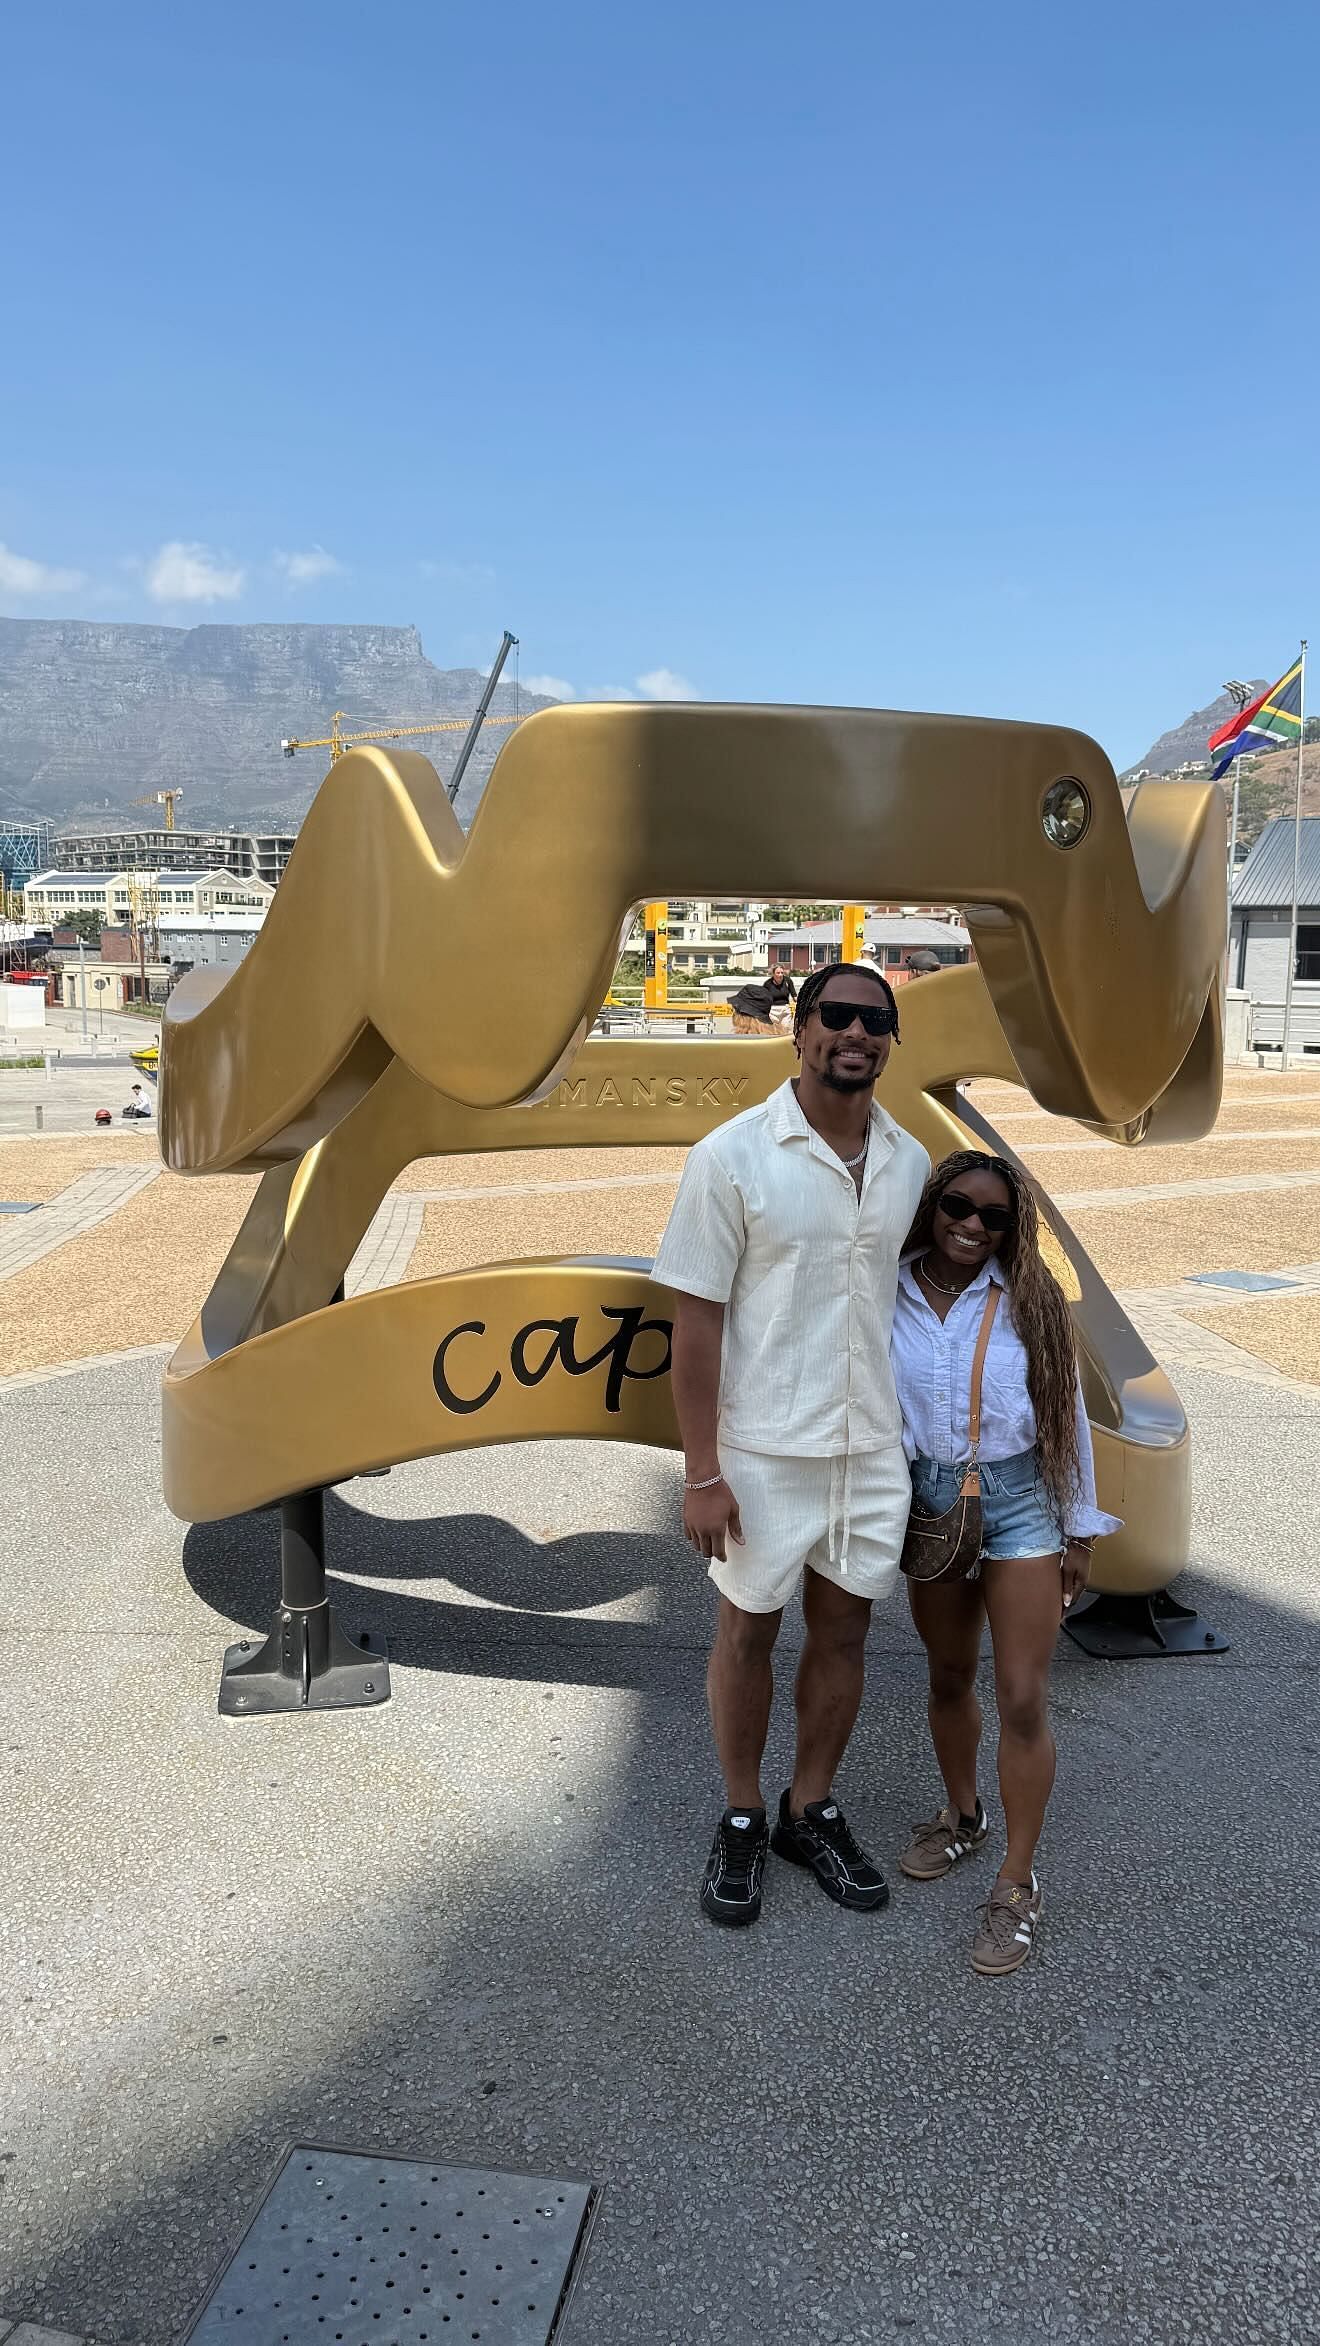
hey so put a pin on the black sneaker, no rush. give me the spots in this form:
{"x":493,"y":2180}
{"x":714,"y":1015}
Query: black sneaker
{"x":821,"y":1838}
{"x":731,"y":1885}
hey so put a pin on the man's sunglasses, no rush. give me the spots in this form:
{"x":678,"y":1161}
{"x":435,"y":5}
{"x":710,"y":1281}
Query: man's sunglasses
{"x":878,"y":1018}
{"x":960,"y":1208}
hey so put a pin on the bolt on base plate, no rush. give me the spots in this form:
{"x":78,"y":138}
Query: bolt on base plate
{"x":1141,"y":1629}
{"x":308,"y":1663}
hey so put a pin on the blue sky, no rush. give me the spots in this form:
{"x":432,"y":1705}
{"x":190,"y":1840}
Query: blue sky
{"x":874,"y":355}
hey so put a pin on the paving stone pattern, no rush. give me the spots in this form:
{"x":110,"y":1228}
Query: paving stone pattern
{"x":383,"y":1257}
{"x":93,"y":1198}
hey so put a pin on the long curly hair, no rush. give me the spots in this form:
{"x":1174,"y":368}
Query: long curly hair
{"x":1040,"y":1315}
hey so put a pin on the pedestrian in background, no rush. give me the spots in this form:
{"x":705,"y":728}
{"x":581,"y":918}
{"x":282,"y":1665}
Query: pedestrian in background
{"x":765,"y":1008}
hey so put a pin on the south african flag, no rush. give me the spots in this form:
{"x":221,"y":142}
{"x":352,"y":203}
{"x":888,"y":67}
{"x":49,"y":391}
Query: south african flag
{"x":1268,"y":723}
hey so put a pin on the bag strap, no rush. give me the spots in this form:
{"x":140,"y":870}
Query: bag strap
{"x":978,"y":1365}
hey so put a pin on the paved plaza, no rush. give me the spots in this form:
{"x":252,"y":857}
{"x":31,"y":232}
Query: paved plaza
{"x":465,"y":1925}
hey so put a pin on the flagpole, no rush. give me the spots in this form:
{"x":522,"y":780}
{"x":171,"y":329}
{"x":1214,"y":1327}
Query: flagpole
{"x":1297,"y":869}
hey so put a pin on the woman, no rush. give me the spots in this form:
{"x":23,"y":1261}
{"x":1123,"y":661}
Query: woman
{"x":976,"y":1224}
{"x":765,"y":1008}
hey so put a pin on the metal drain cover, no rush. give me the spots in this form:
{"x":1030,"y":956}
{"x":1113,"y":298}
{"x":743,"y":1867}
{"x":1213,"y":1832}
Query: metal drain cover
{"x":346,"y":2250}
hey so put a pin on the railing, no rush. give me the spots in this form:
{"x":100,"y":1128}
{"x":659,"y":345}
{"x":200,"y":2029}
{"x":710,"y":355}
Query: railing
{"x":1265,"y":1022}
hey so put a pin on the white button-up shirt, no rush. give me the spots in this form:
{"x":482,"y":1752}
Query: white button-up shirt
{"x":768,"y":1221}
{"x":933,"y":1372}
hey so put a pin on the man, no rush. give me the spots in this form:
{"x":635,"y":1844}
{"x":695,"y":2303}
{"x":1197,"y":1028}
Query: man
{"x":138,"y":1103}
{"x":764,"y":1008}
{"x":783,"y":1251}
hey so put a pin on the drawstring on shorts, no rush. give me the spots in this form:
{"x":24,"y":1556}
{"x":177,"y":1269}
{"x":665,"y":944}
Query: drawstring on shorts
{"x":840,"y":1509}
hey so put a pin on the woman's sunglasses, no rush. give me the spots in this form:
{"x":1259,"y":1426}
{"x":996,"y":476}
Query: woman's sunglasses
{"x":960,"y":1208}
{"x":876,"y":1017}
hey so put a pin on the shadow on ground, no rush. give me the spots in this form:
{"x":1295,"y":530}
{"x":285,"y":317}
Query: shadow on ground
{"x":466,"y":1926}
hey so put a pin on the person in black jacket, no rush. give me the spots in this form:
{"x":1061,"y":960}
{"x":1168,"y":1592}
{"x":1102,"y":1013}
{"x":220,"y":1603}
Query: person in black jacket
{"x":754,"y":1005}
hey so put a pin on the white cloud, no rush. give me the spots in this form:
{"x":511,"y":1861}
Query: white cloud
{"x":19,"y":575}
{"x":182,"y":573}
{"x":306,"y":569}
{"x":557,"y":687}
{"x":664,"y":684}
{"x":610,"y":692}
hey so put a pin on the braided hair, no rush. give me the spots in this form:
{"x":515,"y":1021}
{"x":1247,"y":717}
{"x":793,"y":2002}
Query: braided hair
{"x":1040,"y":1315}
{"x":811,"y":989}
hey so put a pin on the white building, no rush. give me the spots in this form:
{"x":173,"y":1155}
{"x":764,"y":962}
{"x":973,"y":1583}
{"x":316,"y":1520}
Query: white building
{"x":51,"y":897}
{"x":711,"y":933}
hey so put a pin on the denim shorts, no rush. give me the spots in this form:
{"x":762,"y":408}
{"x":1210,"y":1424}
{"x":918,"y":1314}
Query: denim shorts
{"x":1018,"y":1516}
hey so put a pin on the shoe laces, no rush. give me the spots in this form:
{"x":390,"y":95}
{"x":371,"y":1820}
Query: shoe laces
{"x":741,"y":1852}
{"x":938,"y":1831}
{"x":840,"y":1835}
{"x":1006,"y":1912}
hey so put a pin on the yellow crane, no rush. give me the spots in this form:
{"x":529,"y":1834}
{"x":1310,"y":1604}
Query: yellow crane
{"x":338,"y":741}
{"x":169,"y":799}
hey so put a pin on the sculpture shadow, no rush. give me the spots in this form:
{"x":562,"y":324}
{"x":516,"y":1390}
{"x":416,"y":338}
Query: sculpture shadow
{"x":529,"y":1595}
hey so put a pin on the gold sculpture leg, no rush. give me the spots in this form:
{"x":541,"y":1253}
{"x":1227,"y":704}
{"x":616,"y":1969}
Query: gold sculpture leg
{"x":339,"y":1052}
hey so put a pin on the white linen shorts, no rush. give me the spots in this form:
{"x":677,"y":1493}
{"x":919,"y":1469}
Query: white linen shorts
{"x":841,"y":1517}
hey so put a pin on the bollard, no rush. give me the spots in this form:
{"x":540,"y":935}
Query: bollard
{"x":41,"y":1119}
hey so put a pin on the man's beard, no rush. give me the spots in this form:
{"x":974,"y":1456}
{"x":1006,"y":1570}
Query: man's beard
{"x":834,"y":1082}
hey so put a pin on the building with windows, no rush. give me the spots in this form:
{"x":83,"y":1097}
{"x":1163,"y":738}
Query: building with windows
{"x":901,"y":944}
{"x":249,"y":855}
{"x":25,"y":848}
{"x":1261,"y":928}
{"x":50,"y":897}
{"x":709,"y":935}
{"x":198,"y":940}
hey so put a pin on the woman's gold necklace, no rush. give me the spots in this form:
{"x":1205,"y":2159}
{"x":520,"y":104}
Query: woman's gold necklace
{"x":935,"y":1283}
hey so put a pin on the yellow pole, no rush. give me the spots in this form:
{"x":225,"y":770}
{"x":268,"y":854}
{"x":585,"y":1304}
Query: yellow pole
{"x":854,"y":932}
{"x":655,"y":984}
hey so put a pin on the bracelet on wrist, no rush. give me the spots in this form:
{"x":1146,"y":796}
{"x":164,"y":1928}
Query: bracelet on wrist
{"x":709,"y":1484}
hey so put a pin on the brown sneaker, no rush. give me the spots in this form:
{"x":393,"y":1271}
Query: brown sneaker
{"x":1006,"y":1931}
{"x":936,"y":1848}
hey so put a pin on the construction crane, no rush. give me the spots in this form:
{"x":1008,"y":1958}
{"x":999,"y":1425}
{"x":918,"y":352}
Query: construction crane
{"x":169,"y":799}
{"x":337,"y":741}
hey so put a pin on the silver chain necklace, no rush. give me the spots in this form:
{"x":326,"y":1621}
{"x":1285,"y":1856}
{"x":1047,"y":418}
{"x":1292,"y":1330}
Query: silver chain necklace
{"x":852,"y":1163}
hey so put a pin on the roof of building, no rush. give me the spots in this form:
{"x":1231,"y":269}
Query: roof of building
{"x":198,"y":924}
{"x":212,"y":876}
{"x":1266,"y":878}
{"x":886,"y":928}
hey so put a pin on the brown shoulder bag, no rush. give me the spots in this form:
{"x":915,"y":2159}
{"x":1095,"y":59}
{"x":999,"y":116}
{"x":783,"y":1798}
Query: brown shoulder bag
{"x":948,"y":1546}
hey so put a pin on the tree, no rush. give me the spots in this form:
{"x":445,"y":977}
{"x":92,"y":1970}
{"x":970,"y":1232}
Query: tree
{"x":630,"y":976}
{"x":1311,"y":729}
{"x":87,"y":925}
{"x":1260,"y":798}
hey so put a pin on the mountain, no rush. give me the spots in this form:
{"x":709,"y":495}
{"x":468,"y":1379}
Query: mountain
{"x":95,"y":714}
{"x":1186,"y":743}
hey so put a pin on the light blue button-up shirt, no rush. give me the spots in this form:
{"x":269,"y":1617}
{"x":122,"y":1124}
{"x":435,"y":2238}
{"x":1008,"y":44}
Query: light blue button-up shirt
{"x":932,"y":1360}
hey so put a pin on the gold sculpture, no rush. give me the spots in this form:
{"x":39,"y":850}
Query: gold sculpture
{"x":347,"y":1044}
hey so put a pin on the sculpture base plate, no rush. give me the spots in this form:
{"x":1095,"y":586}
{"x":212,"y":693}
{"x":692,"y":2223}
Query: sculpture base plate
{"x":1141,"y":1629}
{"x":308,"y":1663}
